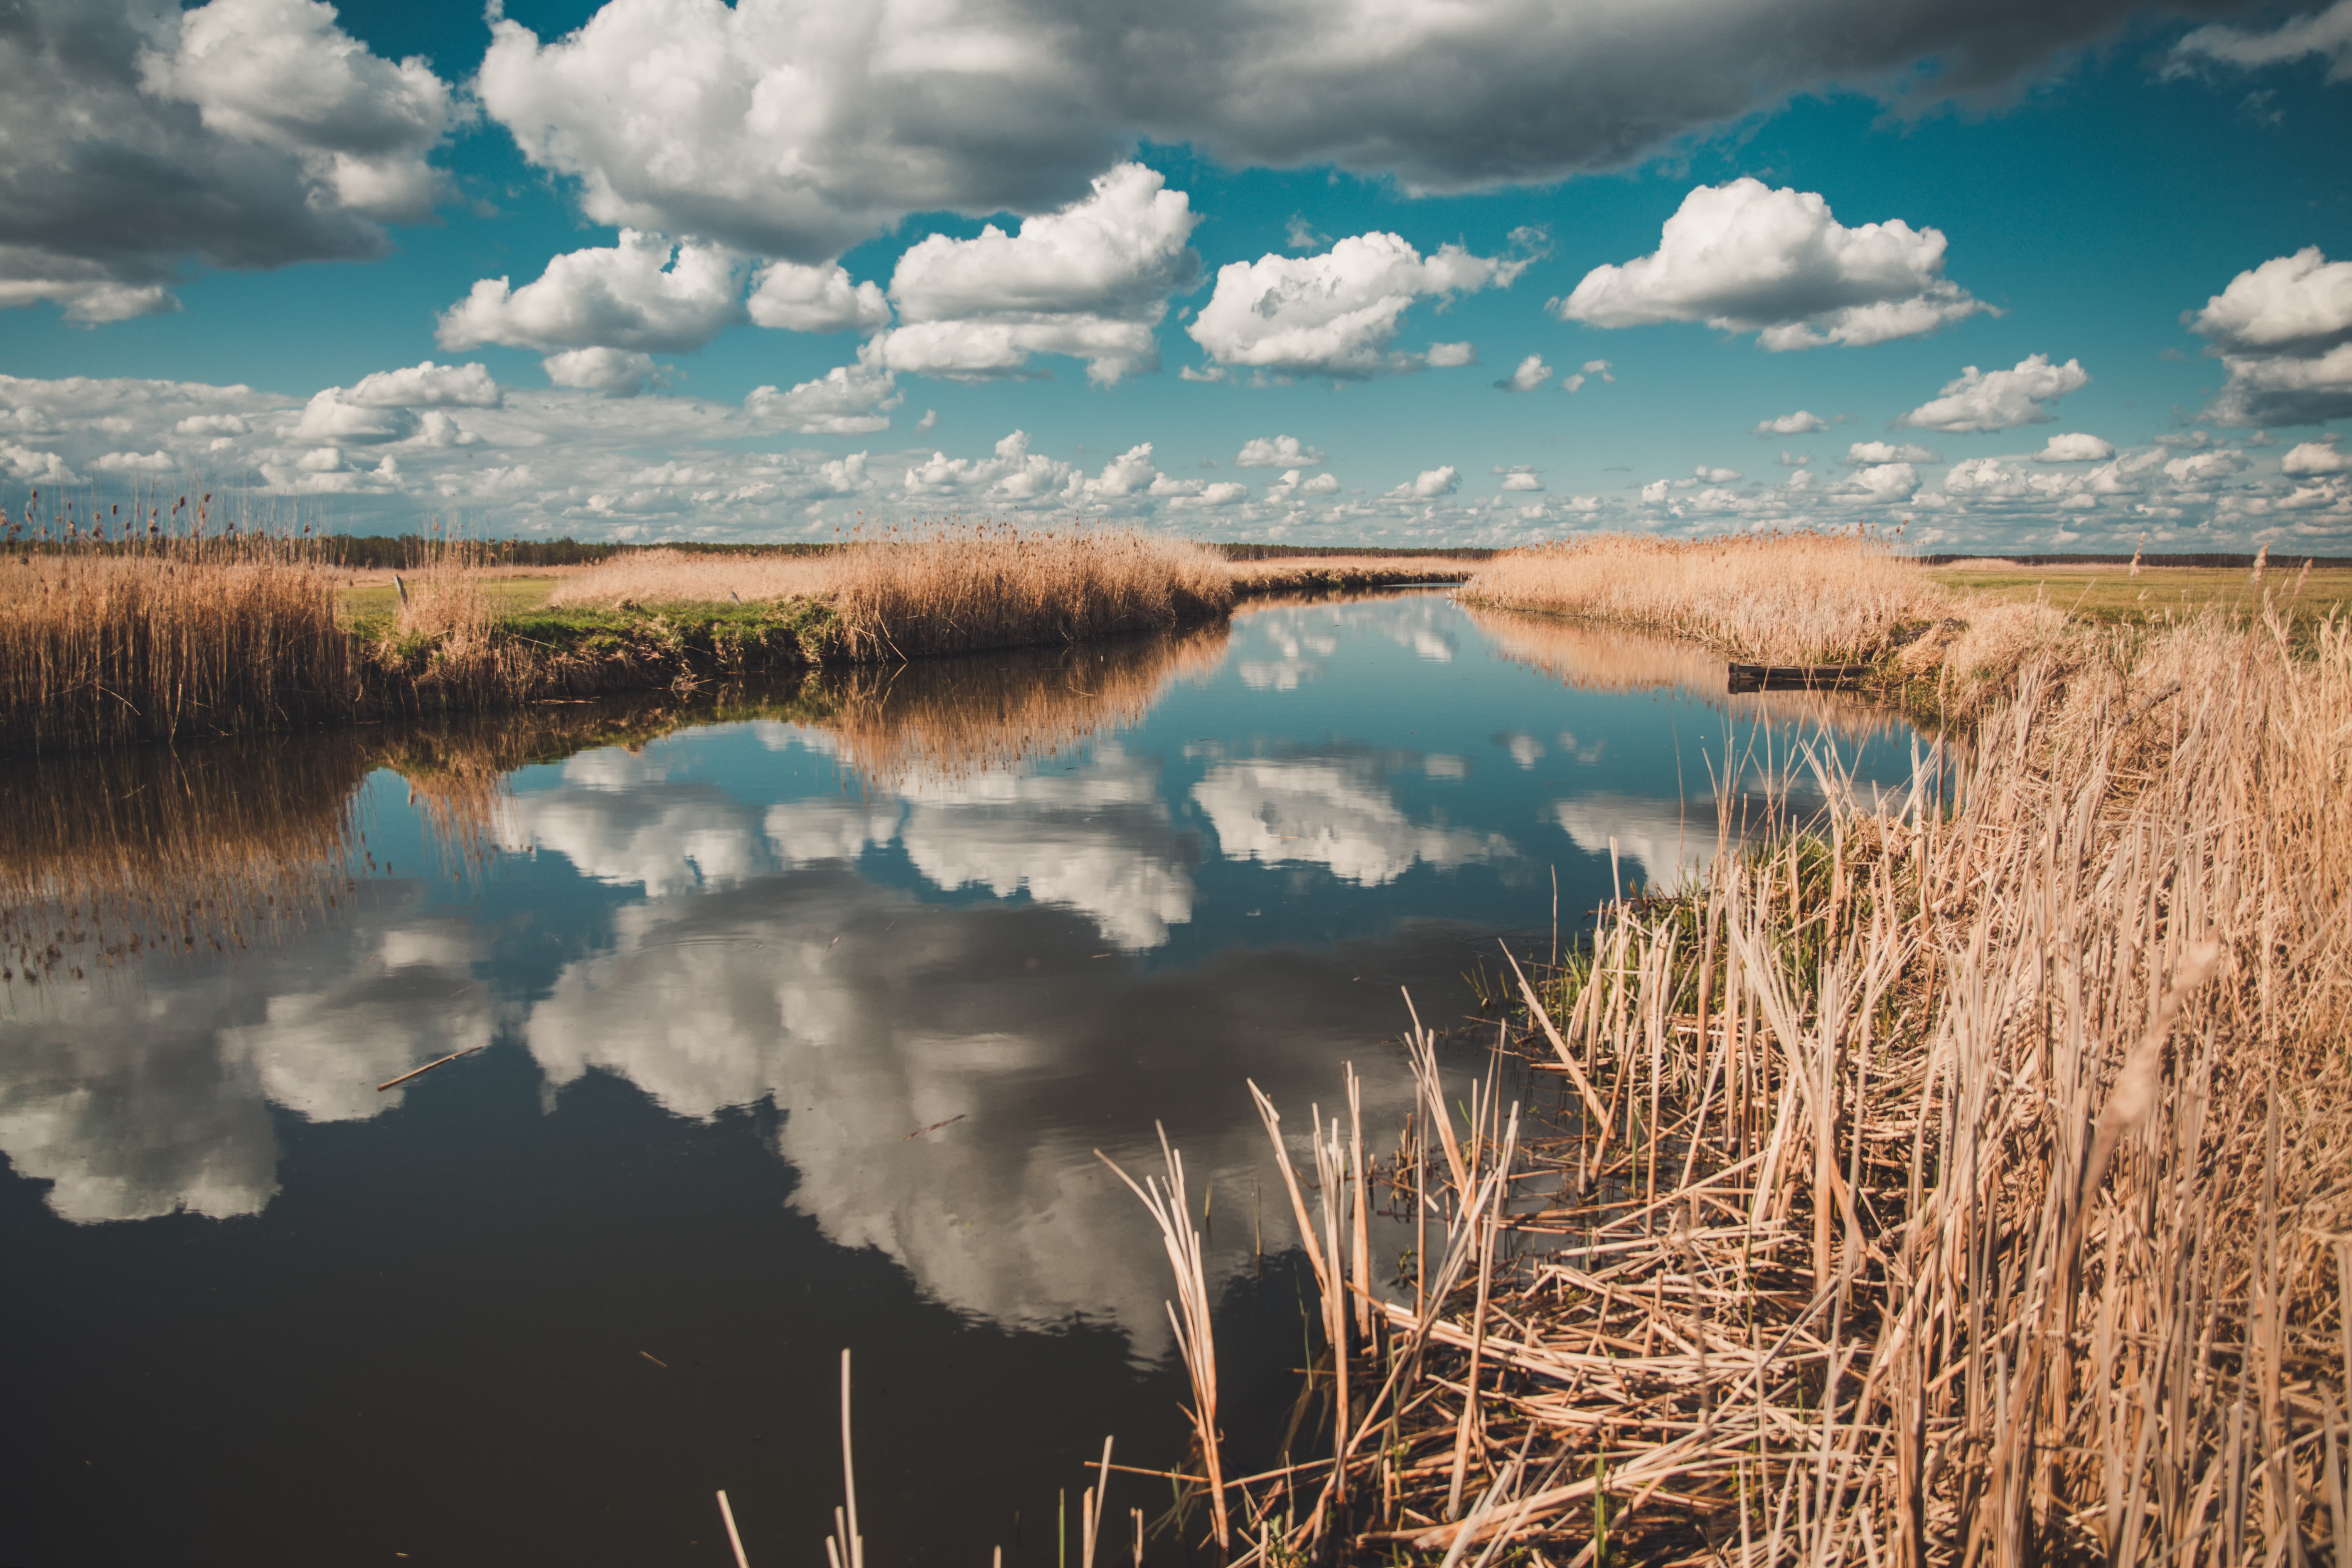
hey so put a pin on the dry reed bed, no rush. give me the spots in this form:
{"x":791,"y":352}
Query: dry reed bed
{"x":1967,"y":1186}
{"x":105,"y":649}
{"x":1788,"y":598}
{"x":107,"y":645}
{"x":950,"y":589}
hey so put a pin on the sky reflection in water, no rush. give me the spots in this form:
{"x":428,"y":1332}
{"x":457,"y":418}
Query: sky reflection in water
{"x":1032,"y":904}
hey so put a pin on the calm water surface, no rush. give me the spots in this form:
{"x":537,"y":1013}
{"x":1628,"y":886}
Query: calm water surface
{"x":801,"y":1017}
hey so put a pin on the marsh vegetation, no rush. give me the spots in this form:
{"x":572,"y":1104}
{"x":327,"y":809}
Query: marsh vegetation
{"x":1957,"y":1178}
{"x":187,"y":633}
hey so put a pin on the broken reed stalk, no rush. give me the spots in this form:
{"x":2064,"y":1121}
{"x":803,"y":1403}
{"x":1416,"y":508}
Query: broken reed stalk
{"x":1189,"y":1315}
{"x":1962,"y":1178}
{"x":1090,"y":1509}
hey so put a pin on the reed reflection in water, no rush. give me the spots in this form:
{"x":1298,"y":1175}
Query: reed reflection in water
{"x":1599,"y":658}
{"x":1674,"y":841}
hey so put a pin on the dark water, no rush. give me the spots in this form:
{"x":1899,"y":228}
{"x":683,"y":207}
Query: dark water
{"x":803,"y":1015}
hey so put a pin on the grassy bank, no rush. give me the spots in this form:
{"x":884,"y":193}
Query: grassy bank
{"x":119,"y":644}
{"x":1325,"y":574}
{"x":1961,"y":1180}
{"x":106,"y":645}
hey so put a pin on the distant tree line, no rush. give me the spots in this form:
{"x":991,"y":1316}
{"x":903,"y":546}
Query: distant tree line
{"x":389,"y":550}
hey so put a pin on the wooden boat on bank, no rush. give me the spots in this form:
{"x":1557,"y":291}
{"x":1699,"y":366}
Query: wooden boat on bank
{"x":1795,"y":677}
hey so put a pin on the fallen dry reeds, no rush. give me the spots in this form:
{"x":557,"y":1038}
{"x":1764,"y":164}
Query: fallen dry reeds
{"x":1965,"y":1184}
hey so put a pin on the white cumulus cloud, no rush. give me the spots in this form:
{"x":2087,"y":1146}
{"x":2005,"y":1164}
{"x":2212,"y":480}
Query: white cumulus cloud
{"x":796,"y":130}
{"x":331,"y":415}
{"x":795,"y":297}
{"x":2074,"y":448}
{"x":1801,"y":422}
{"x":1090,"y":280}
{"x":2316,"y":458}
{"x":280,"y":73}
{"x":1335,"y":313}
{"x":1532,"y":374}
{"x":427,"y":385}
{"x":1131,"y":473}
{"x":643,"y":293}
{"x":243,"y":133}
{"x":1886,"y":481}
{"x":1429,"y":484}
{"x":2283,"y":330}
{"x":2001,"y":399}
{"x":1014,"y":474}
{"x":2204,"y":468}
{"x":1592,"y":367}
{"x":1866,"y":452}
{"x":621,"y":372}
{"x":1281,"y":452}
{"x":1745,"y":257}
{"x":847,"y":400}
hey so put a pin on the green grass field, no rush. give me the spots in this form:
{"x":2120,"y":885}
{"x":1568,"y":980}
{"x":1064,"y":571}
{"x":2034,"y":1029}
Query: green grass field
{"x":2113,"y":594}
{"x":376,"y":605}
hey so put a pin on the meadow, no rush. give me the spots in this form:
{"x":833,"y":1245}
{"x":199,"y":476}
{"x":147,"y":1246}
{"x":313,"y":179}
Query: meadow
{"x":2115,"y":593}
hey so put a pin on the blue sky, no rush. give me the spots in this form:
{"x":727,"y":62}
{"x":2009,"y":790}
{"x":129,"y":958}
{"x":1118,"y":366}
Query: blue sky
{"x":2007,"y":277}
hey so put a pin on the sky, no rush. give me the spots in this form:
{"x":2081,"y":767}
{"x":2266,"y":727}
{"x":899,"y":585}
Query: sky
{"x":1987,"y":276}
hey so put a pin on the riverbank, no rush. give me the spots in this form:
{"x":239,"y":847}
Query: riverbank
{"x":1944,"y":645}
{"x":1959,"y":1177}
{"x":108,"y":646}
